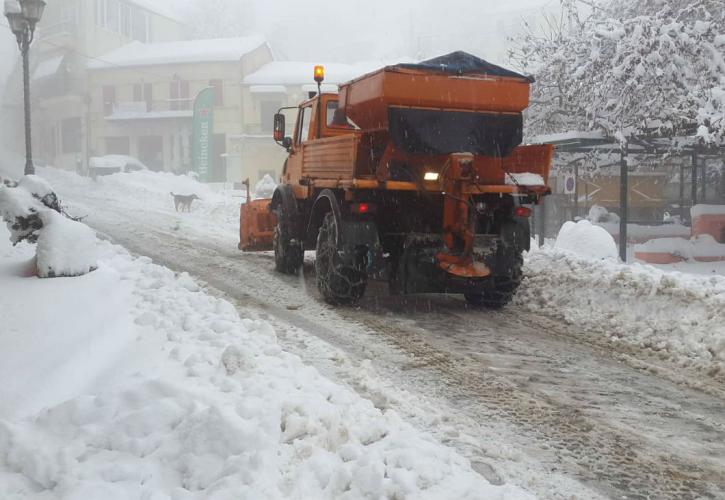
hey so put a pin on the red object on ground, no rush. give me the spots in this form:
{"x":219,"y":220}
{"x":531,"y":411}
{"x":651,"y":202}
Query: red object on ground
{"x":658,"y":257}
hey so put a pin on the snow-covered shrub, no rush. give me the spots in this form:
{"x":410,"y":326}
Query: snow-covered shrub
{"x":264,"y":189}
{"x":21,"y":205}
{"x":65,"y":247}
{"x":586,"y":240}
{"x":32,"y":212}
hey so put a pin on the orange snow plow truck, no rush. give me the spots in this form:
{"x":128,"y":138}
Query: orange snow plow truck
{"x":413,"y":174}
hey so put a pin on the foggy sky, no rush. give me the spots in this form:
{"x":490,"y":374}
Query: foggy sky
{"x":362,"y":30}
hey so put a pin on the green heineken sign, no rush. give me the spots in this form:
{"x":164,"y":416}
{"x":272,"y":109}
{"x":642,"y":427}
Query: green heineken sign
{"x":203,"y":138}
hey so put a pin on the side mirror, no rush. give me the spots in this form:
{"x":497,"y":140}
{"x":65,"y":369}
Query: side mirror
{"x":279,"y":127}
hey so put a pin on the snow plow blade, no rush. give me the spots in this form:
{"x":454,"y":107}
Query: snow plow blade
{"x":256,"y":226}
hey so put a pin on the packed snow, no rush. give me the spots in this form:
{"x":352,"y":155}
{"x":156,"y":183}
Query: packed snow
{"x":142,"y":385}
{"x":586,"y":240}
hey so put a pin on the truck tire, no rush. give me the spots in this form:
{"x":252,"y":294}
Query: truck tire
{"x":338,"y":284}
{"x":288,"y":254}
{"x":504,"y":287}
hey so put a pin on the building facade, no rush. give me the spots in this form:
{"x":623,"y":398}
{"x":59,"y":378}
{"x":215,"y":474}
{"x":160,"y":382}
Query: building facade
{"x":142,"y":98}
{"x":72,"y":35}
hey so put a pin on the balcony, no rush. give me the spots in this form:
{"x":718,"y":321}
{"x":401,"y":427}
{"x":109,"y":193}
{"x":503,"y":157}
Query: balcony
{"x":158,"y":110}
{"x":63,"y":34}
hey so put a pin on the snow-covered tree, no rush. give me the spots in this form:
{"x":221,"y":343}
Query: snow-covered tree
{"x":630,"y":67}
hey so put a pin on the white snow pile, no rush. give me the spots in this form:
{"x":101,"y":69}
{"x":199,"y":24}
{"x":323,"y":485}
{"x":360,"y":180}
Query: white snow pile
{"x":65,"y":247}
{"x":264,"y":189}
{"x":142,"y":385}
{"x":586,"y":240}
{"x":679,"y":317}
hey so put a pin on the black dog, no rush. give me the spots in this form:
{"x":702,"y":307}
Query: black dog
{"x":184,"y":202}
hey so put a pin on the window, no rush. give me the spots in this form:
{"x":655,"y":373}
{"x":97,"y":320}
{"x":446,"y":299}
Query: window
{"x":109,"y":99}
{"x":304,"y":124}
{"x":268,"y":109}
{"x":125,"y":20}
{"x":140,"y":26}
{"x":71,"y":135}
{"x":112,"y":15}
{"x":123,"y":17}
{"x":179,"y":94}
{"x":143,"y":92}
{"x":218,"y":87}
{"x":330,"y":112}
{"x":101,"y":12}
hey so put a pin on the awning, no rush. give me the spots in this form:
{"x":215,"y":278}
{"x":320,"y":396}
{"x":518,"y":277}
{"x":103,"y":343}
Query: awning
{"x":151,"y":115}
{"x":48,"y":68}
{"x":268,"y":89}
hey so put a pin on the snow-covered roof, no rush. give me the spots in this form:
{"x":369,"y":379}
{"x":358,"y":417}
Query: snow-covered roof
{"x":182,"y":52}
{"x":300,"y":73}
{"x":47,"y":68}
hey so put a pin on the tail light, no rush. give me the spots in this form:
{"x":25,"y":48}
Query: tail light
{"x":522,"y":212}
{"x":362,"y":208}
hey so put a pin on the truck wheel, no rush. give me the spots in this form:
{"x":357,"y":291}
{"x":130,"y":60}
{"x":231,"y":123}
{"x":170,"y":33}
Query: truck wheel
{"x":503,"y":290}
{"x":288,"y":255}
{"x":338,"y":284}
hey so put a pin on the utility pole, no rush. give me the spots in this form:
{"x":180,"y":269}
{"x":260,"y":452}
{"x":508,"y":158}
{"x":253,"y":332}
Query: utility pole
{"x":23,"y":16}
{"x":623,"y":199}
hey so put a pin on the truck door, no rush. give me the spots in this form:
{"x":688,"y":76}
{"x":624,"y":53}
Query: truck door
{"x":293,"y":166}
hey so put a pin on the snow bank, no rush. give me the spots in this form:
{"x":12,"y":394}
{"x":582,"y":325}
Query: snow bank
{"x":264,"y":189}
{"x":65,"y":247}
{"x":586,"y":240}
{"x":703,"y":246}
{"x":680,"y":317}
{"x":216,"y":410}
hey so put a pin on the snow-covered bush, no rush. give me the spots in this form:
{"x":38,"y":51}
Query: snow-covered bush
{"x":629,"y":67}
{"x":32,"y":212}
{"x":21,"y":205}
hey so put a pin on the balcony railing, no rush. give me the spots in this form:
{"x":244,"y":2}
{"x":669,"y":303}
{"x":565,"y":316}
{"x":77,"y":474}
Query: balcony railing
{"x":65,"y":28}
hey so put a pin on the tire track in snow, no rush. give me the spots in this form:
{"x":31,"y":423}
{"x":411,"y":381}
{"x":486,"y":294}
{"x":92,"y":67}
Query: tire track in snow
{"x":569,"y":440}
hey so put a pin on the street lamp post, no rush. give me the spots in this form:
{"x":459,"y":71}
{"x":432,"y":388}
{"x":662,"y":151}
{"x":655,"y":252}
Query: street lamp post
{"x":23,"y":17}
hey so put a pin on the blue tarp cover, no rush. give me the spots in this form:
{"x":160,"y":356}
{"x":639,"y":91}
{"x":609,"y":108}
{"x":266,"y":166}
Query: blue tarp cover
{"x":462,"y":63}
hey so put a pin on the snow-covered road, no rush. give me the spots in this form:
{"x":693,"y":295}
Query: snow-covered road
{"x":527,"y":399}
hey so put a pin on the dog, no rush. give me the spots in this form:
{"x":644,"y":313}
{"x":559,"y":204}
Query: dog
{"x":183,"y":203}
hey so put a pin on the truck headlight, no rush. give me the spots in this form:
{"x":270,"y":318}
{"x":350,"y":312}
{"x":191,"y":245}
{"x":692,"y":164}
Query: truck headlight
{"x":431,"y":176}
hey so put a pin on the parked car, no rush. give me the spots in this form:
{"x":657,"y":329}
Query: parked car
{"x":113,"y":164}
